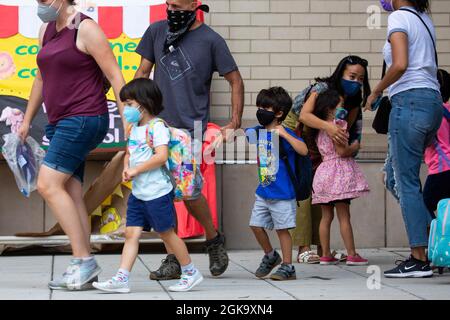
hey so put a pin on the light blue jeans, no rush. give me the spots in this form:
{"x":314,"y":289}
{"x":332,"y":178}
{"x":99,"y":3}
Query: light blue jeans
{"x":414,"y":120}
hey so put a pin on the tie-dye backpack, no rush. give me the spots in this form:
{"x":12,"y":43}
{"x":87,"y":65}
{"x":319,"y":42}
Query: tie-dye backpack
{"x":182,"y":162}
{"x":439,"y":243}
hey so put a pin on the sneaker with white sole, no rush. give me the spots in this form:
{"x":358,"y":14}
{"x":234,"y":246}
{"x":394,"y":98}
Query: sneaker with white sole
{"x":81,"y":273}
{"x":187,"y":282}
{"x":60,"y":283}
{"x":410,"y":268}
{"x":113,"y":286}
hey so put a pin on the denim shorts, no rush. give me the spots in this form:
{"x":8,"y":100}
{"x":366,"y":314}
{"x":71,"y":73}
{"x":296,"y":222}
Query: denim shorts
{"x":274,"y":214}
{"x":158,"y":214}
{"x":71,"y":140}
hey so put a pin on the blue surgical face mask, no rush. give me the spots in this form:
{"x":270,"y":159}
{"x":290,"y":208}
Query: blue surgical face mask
{"x":351,"y":88}
{"x":132,"y":114}
{"x":48,"y":13}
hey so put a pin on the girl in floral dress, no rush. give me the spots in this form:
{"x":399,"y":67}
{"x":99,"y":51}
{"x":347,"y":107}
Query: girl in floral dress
{"x":337,"y":181}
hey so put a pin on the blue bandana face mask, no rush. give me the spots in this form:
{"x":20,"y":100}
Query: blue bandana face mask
{"x":351,"y":88}
{"x":48,"y":13}
{"x":132,"y":114}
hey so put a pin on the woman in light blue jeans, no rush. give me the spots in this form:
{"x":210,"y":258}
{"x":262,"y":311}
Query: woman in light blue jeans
{"x":416,"y":115}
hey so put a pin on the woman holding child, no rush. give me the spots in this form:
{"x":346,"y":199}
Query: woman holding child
{"x":350,"y":80}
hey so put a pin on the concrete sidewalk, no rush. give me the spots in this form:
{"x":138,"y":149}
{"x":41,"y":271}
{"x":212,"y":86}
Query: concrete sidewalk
{"x":27,"y":277}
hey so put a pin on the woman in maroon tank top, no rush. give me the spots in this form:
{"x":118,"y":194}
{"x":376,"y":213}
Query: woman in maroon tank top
{"x":74,"y":58}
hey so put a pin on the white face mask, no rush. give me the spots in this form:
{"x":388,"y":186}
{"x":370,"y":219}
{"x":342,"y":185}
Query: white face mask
{"x":48,"y":13}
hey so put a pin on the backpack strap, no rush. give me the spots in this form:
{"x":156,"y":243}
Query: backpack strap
{"x":300,"y":125}
{"x":285,"y":157}
{"x":429,"y":32}
{"x":149,"y":136}
{"x":446,"y":114}
{"x":149,"y":130}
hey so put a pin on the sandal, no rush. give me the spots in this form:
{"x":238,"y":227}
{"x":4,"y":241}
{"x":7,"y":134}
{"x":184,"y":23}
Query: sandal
{"x":309,"y":257}
{"x":340,"y":256}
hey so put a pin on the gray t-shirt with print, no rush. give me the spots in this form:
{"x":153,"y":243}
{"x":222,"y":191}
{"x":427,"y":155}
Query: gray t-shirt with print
{"x":184,"y":75}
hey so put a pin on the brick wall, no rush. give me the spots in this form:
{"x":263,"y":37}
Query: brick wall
{"x":288,"y":43}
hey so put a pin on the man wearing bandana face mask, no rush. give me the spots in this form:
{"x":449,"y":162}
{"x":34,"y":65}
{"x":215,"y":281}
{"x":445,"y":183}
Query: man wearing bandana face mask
{"x":186,"y":54}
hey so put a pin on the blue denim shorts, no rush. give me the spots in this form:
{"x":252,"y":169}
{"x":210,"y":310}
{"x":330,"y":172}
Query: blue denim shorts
{"x":158,"y":214}
{"x":71,"y":140}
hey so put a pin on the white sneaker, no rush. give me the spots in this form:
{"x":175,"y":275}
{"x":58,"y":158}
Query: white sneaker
{"x":112,"y":285}
{"x":187,"y":282}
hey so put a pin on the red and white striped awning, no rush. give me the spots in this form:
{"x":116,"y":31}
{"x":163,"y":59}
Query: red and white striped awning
{"x":131,"y":17}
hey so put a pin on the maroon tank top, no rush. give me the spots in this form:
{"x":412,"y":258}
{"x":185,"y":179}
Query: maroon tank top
{"x":72,"y":79}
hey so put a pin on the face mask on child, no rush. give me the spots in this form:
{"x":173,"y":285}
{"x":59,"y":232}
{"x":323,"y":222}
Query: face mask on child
{"x":132,"y":114}
{"x":340,"y":114}
{"x":265,"y":117}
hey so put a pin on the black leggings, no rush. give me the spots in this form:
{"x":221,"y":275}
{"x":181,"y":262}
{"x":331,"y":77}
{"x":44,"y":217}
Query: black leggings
{"x":437,"y":187}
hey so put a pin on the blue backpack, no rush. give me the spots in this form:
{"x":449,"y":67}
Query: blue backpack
{"x":439,"y":242}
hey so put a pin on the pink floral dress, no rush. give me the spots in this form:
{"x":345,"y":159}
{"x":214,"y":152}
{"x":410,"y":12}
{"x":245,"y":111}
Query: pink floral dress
{"x":336,"y":178}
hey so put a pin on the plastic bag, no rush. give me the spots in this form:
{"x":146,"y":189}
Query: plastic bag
{"x":24,"y":160}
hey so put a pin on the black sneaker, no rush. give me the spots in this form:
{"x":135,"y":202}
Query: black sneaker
{"x":218,"y":257}
{"x":170,"y":269}
{"x":284,"y":272}
{"x":410,"y":268}
{"x":267,"y":265}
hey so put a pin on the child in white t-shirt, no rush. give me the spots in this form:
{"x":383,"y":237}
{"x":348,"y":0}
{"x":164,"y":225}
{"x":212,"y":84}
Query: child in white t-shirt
{"x":151,"y":203}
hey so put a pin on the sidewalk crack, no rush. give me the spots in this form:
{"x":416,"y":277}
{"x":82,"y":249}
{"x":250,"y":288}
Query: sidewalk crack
{"x":159,"y":282}
{"x":51,"y":276}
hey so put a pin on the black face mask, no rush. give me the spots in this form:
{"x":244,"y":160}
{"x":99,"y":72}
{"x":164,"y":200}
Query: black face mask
{"x":180,"y":21}
{"x":265,"y":117}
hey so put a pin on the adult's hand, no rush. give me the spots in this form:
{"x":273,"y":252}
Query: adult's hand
{"x":228,"y":131}
{"x":223,"y":136}
{"x":338,"y":134}
{"x":370,"y":100}
{"x":24,"y":131}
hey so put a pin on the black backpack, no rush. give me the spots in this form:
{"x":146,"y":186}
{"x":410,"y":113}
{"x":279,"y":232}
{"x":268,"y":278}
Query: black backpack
{"x":301,"y":175}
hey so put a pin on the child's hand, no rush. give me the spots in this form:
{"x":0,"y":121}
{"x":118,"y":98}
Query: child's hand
{"x":356,"y":145}
{"x":281,"y":131}
{"x":125,"y":176}
{"x":129,"y":174}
